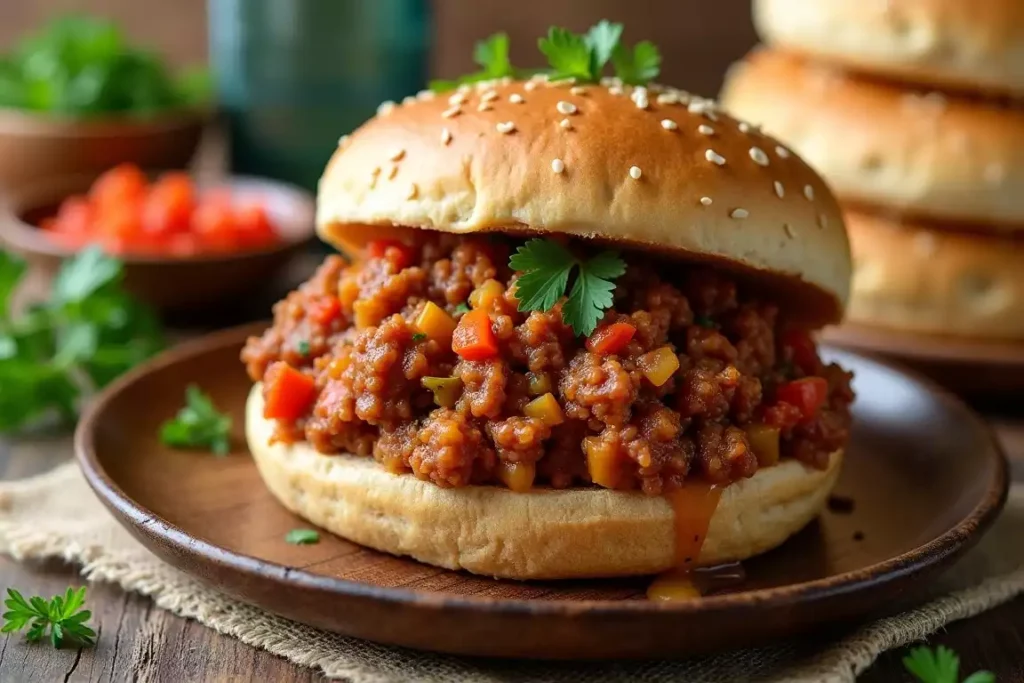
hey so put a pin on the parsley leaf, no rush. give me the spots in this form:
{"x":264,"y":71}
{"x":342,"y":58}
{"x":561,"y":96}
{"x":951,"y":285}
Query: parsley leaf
{"x":11,"y":271}
{"x":63,"y":616}
{"x":302,"y":347}
{"x":85,"y":275}
{"x":461,"y":308}
{"x":418,"y":337}
{"x":602,"y":39}
{"x":567,"y":53}
{"x":940,"y":666}
{"x":638,"y":67}
{"x":491,"y":54}
{"x":546,"y":267}
{"x":302,"y":537}
{"x":198,"y":425}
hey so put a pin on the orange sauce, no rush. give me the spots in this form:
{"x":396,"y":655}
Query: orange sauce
{"x":693,"y":506}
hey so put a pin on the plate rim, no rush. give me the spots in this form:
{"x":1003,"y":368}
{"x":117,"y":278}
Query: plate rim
{"x":936,"y":348}
{"x":139,"y":520}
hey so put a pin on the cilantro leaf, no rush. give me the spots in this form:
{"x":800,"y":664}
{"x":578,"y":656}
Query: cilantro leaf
{"x":461,"y":308}
{"x":198,"y":425}
{"x":84,"y":275}
{"x":491,"y":54}
{"x":302,"y":537}
{"x":940,"y":666}
{"x":567,"y":53}
{"x":63,"y":616}
{"x":639,"y":66}
{"x":546,"y":267}
{"x":602,"y":39}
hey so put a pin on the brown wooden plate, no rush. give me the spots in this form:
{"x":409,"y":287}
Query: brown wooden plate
{"x":924,"y":476}
{"x":976,"y":368}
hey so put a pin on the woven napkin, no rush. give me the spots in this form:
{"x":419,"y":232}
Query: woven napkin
{"x":57,"y":515}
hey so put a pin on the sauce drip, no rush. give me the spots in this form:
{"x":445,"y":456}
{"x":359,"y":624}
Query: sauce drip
{"x":693,"y":506}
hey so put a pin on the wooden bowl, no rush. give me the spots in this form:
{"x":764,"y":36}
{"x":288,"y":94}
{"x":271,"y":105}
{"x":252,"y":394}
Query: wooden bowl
{"x":175,"y":285}
{"x":34,"y":145}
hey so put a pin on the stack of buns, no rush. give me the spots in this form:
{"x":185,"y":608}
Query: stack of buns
{"x":911,"y":110}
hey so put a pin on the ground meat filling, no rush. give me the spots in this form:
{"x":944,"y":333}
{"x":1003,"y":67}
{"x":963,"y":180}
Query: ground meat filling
{"x":746,"y":390}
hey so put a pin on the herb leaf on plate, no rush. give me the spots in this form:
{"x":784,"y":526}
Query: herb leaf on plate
{"x":940,"y":665}
{"x":198,"y":425}
{"x":62,"y":616}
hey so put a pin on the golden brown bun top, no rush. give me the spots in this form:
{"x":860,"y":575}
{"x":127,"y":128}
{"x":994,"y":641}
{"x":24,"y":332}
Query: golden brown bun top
{"x":653,"y":168}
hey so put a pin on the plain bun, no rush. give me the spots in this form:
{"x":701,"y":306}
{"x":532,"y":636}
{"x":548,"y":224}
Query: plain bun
{"x":963,"y":44}
{"x":926,"y":155}
{"x":915,"y":278}
{"x":647,"y":167}
{"x":546,"y":534}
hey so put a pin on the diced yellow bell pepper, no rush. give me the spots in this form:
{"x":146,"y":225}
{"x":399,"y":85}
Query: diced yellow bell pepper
{"x":659,"y":365}
{"x":546,"y":409}
{"x":446,"y":390}
{"x":540,"y":383}
{"x":435,"y":322}
{"x":518,"y":476}
{"x":602,"y":462}
{"x":486,"y":294}
{"x":764,"y":441}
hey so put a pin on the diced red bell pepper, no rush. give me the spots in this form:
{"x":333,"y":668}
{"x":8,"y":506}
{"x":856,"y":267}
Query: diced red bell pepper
{"x":397,"y":252}
{"x":610,"y":339}
{"x":287,"y":393}
{"x":802,"y":349}
{"x":807,"y":394}
{"x":324,"y":310}
{"x":473,"y":338}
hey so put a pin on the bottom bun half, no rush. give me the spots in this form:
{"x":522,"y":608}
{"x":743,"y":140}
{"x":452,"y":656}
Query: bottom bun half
{"x":544,"y":534}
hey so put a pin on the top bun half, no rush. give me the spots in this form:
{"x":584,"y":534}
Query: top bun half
{"x":651,"y":168}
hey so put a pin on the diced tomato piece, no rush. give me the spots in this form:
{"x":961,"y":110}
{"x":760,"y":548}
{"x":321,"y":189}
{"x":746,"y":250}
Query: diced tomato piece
{"x":807,"y":394}
{"x":214,"y":224}
{"x":287,"y":393}
{"x":254,"y":227}
{"x":802,"y":350}
{"x":74,"y":216}
{"x":473,"y":338}
{"x":169,"y":205}
{"x":399,"y":253}
{"x":324,"y":310}
{"x":123,"y":220}
{"x":123,"y":183}
{"x":183,"y":244}
{"x":610,"y":339}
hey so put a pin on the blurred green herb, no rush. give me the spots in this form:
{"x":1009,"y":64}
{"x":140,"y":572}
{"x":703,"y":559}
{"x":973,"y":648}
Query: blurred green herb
{"x":198,"y":425}
{"x":63,"y":616}
{"x":941,"y":665}
{"x":59,"y":351}
{"x":82,"y":66}
{"x":461,"y":308}
{"x":302,"y":537}
{"x":418,"y":337}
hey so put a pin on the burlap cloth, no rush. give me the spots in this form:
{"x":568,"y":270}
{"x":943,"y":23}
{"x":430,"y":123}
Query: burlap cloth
{"x":56,"y":515}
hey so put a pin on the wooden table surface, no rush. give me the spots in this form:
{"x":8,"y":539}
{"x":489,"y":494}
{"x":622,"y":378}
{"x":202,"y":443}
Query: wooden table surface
{"x":138,"y":642}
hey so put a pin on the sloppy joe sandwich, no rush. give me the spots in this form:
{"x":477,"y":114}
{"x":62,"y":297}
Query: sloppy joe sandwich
{"x":574,"y":337}
{"x":975,"y":44}
{"x":921,"y":153}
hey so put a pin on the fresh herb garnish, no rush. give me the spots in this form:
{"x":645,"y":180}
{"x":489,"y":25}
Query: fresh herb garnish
{"x":302,"y":537}
{"x":941,"y":666}
{"x":198,"y":425}
{"x":55,"y":353}
{"x":546,"y":267}
{"x":418,"y":337}
{"x":62,"y":616}
{"x":302,"y":348}
{"x":569,"y":55}
{"x":461,"y":308}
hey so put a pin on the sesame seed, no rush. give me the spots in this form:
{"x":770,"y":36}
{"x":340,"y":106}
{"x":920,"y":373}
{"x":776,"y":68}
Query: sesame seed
{"x":505,"y":127}
{"x":484,"y":106}
{"x":489,"y":95}
{"x":739,"y":213}
{"x":515,"y":98}
{"x":615,"y":90}
{"x":782,"y":151}
{"x":669,"y":124}
{"x":408,"y":99}
{"x":714,"y":157}
{"x":451,"y":113}
{"x":385,"y":108}
{"x":744,"y":127}
{"x":425,"y":95}
{"x":667,"y":98}
{"x":578,"y":90}
{"x":790,"y":233}
{"x":397,"y":154}
{"x":529,"y":85}
{"x":706,"y":201}
{"x":639,"y":97}
{"x":465,"y":87}
{"x":705,"y":129}
{"x":446,"y":136}
{"x":566,"y":124}
{"x":393,"y":171}
{"x":343,"y":140}
{"x":567,"y":108}
{"x":809,"y":193}
{"x":557,"y":165}
{"x":710,"y":115}
{"x":413,"y":191}
{"x":758,"y":155}
{"x":779,"y":189}
{"x":822,"y":221}
{"x":635,"y":172}
{"x":457,"y":99}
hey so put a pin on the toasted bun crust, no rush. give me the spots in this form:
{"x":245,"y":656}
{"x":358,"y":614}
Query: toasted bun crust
{"x":912,"y":277}
{"x":926,"y":155}
{"x":971,"y":44}
{"x":563,"y":165}
{"x":545,"y":534}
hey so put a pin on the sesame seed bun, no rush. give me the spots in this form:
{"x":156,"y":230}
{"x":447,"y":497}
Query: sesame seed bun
{"x":543,"y":534}
{"x":925,"y":155}
{"x":913,"y":277}
{"x":651,"y":168}
{"x":976,"y":45}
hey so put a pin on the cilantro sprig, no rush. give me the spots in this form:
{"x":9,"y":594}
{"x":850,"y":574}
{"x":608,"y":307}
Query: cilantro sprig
{"x":546,"y":267}
{"x":941,"y":665}
{"x":569,"y":55}
{"x":302,"y":537}
{"x":55,"y":353}
{"x":198,"y":425}
{"x":63,"y":617}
